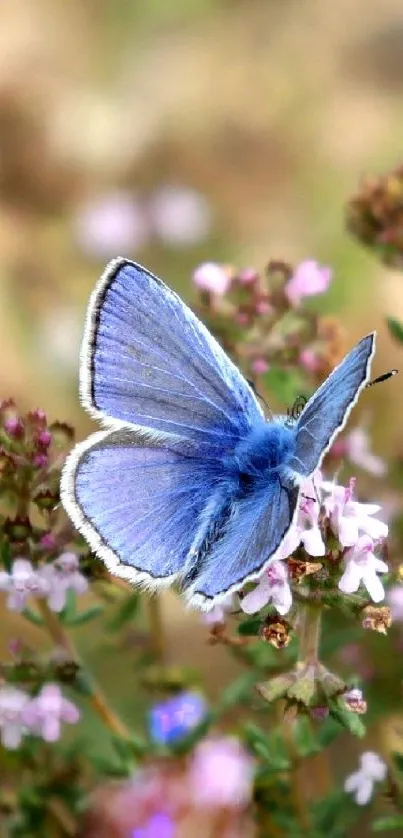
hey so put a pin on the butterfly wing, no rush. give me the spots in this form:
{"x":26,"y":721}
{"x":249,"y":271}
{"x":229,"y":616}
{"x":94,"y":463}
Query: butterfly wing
{"x":148,"y":361}
{"x":137,"y":504}
{"x":327,"y":411}
{"x":255,"y":531}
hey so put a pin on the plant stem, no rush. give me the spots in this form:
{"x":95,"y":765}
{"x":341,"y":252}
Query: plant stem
{"x":98,"y":701}
{"x":299,"y":797}
{"x":309,"y":635}
{"x":156,"y":628}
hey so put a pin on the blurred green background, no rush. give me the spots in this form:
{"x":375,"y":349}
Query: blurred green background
{"x":176,"y":131}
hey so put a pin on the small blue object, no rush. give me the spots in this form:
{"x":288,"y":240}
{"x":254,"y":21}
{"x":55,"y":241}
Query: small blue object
{"x":173,"y":719}
{"x":189,"y":483}
{"x":158,"y":826}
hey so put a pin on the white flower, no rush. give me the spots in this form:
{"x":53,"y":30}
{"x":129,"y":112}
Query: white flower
{"x":23,"y":581}
{"x":218,"y":613}
{"x":211,"y":277}
{"x":12,"y":727}
{"x":361,"y":784}
{"x":394,"y":598}
{"x":350,"y":519}
{"x":272,"y":587}
{"x":362,"y":566}
{"x":309,"y":531}
{"x":45,"y":713}
{"x":61,"y":576}
{"x":359,"y":453}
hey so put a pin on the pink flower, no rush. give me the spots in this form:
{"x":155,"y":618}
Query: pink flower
{"x":179,"y":216}
{"x":272,"y":587}
{"x":23,"y":581}
{"x":221,"y":774}
{"x":12,"y":727}
{"x":308,"y":279}
{"x":349,"y":519}
{"x":211,"y":277}
{"x":61,"y":576}
{"x":44,"y":714}
{"x":309,"y":360}
{"x":362,"y":566}
{"x":110,"y":224}
{"x":394,"y":598}
{"x":359,"y":453}
{"x":259,"y":366}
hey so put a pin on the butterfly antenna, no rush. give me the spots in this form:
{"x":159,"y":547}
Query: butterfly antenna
{"x":252,"y":384}
{"x":383,"y":377}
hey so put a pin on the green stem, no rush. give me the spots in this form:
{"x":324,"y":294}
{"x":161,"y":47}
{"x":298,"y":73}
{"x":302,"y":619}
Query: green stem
{"x":309,"y":634}
{"x":157,"y":641}
{"x":97,"y":699}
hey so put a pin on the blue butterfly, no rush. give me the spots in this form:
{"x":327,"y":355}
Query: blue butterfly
{"x":188,"y":483}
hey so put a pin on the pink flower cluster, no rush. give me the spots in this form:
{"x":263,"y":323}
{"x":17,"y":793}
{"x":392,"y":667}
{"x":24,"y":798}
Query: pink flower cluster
{"x":358,"y":532}
{"x":52,"y":581}
{"x":22,"y":715}
{"x":308,"y":279}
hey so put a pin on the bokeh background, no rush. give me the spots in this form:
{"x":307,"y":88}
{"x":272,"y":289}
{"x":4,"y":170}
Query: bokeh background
{"x":175,"y":131}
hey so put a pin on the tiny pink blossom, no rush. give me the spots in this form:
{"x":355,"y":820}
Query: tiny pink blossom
{"x":362,"y":566}
{"x":180,"y":216}
{"x":308,"y":279}
{"x":48,"y":541}
{"x":40,"y":460}
{"x":44,"y":714}
{"x":272,"y":587}
{"x":247,"y":276}
{"x":394,"y":599}
{"x":211,"y":277}
{"x":23,"y":581}
{"x":44,"y":438}
{"x":358,"y":451}
{"x":111,"y":223}
{"x":12,"y":726}
{"x":263,"y":308}
{"x":309,"y":360}
{"x":259,"y":366}
{"x":221,"y":774}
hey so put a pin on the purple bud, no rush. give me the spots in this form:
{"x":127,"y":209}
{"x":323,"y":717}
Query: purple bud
{"x":44,"y":438}
{"x":14,"y":427}
{"x":40,"y":460}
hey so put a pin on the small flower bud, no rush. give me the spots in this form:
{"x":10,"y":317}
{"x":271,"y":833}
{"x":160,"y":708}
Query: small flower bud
{"x":17,"y":529}
{"x":377,"y":618}
{"x":299,"y":569}
{"x":43,"y":439}
{"x":14,"y":427}
{"x":355,"y":702}
{"x":46,"y":500}
{"x":276,"y":631}
{"x":319,"y":713}
{"x":40,"y":460}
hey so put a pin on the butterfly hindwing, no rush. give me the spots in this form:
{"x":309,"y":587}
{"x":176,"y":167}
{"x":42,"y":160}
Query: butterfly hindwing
{"x":327,"y":411}
{"x":137,"y":502}
{"x":148,"y":361}
{"x":255,"y":531}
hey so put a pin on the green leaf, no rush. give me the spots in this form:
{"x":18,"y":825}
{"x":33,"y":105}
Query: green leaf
{"x":286,"y":385}
{"x":347,"y":718}
{"x":250,"y":627}
{"x":238,"y":691}
{"x":5,"y":556}
{"x":86,"y":616}
{"x":69,"y":610}
{"x":125,"y":611}
{"x":327,"y":732}
{"x":398,"y":761}
{"x":395,"y":328}
{"x":32,"y":617}
{"x":305,"y":738}
{"x":388,"y":822}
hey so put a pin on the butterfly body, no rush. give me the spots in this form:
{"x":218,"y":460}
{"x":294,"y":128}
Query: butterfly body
{"x":188,"y":483}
